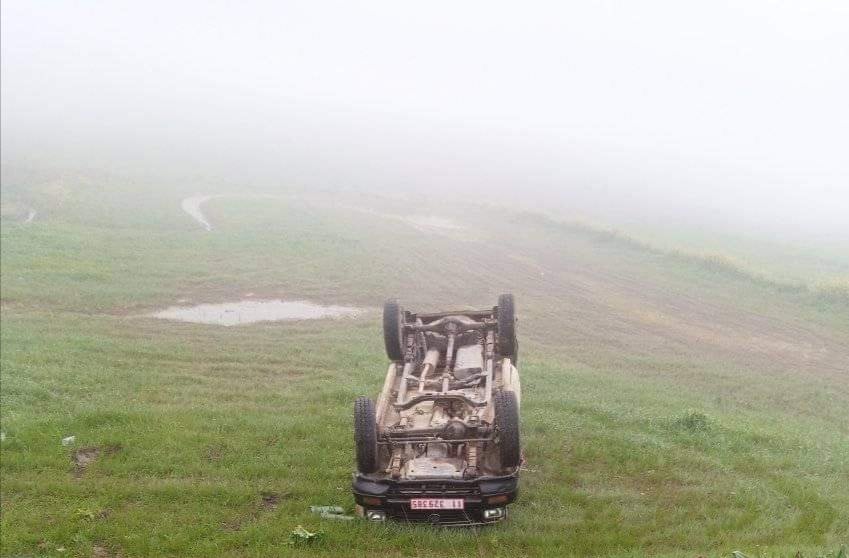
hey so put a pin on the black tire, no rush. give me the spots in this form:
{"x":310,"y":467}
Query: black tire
{"x":365,"y":435}
{"x":508,"y":346}
{"x":393,"y":333}
{"x":507,"y":423}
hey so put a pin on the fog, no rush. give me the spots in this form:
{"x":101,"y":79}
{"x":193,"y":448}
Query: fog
{"x":725,"y":113}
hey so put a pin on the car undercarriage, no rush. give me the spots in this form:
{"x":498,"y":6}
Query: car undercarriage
{"x":441,"y":444}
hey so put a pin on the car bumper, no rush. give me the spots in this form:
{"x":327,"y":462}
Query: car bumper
{"x":392,"y":497}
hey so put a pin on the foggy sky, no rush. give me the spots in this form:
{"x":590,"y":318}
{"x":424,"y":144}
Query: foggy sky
{"x":728,"y":112}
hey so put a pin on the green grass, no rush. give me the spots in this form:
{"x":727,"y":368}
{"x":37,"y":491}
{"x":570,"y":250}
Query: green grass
{"x":669,"y":408}
{"x":826,"y":276}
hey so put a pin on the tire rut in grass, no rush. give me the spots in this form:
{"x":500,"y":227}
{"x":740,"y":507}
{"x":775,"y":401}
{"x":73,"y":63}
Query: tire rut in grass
{"x":269,"y":501}
{"x":83,"y":457}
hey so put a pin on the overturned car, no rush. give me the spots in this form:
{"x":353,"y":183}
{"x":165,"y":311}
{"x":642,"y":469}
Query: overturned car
{"x":441,"y":444}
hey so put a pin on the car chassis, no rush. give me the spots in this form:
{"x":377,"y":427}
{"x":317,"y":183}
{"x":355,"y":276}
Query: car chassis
{"x":441,"y":445}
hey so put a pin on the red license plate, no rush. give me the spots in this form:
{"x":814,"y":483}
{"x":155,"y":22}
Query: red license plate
{"x":437,"y":503}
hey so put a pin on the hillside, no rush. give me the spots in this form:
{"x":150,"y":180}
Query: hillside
{"x":672,"y":407}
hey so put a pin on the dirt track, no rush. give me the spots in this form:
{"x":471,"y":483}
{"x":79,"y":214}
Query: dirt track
{"x":621,"y":297}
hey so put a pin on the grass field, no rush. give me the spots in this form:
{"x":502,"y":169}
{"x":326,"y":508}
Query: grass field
{"x":670,"y":407}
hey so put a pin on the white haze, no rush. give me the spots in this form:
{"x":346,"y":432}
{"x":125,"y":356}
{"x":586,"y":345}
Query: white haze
{"x":730,"y":113}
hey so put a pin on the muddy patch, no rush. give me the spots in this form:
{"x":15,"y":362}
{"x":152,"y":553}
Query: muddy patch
{"x":253,"y":311}
{"x":270,"y":500}
{"x":82,"y":458}
{"x":214,"y":453}
{"x":232,"y":525}
{"x":103,"y":551}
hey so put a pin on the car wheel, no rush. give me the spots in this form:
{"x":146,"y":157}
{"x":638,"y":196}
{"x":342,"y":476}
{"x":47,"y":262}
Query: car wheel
{"x":365,"y":435}
{"x":507,"y":344}
{"x":393,"y":330}
{"x":507,"y":423}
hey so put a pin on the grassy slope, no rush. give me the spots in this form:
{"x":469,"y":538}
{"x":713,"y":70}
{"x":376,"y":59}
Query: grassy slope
{"x":801,"y":261}
{"x":668,"y":409}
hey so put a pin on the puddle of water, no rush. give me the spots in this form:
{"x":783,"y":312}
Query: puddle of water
{"x":252,"y":311}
